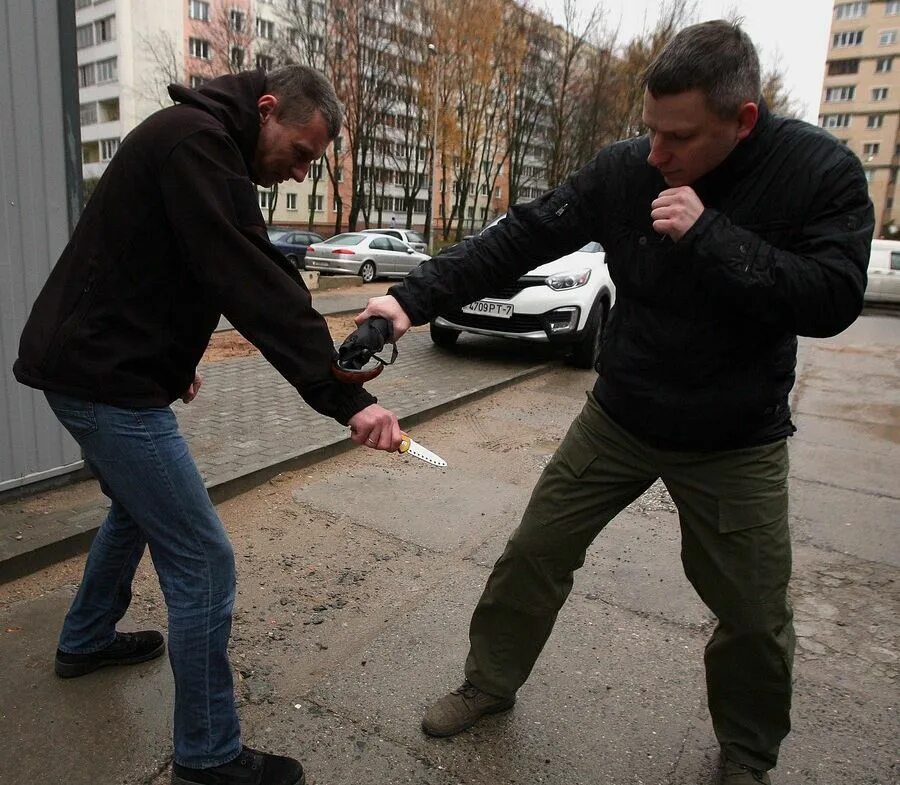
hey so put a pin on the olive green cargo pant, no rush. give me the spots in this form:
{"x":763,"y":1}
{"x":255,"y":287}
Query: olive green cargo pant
{"x":735,"y":548}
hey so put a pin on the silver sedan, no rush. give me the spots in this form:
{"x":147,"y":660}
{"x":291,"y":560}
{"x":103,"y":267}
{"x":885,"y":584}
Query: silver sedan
{"x":369,"y":256}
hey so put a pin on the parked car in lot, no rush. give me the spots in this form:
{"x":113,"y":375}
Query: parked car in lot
{"x":415,"y":240}
{"x":293,"y":244}
{"x":884,"y":272}
{"x":566,"y":302}
{"x":369,"y":256}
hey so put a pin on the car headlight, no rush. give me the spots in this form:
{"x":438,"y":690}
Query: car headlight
{"x":562,"y":281}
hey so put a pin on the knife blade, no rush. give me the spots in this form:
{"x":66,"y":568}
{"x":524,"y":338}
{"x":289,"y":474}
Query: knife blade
{"x":409,"y":445}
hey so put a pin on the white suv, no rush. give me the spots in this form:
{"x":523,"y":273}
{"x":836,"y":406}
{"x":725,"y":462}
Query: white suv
{"x":566,"y":301}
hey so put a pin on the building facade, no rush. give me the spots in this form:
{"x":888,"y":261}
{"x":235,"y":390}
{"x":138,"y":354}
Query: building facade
{"x":861,"y":97}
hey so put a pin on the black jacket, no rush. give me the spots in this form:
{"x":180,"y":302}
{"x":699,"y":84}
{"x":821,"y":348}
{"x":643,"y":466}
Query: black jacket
{"x":171,"y":239}
{"x":700,"y":348}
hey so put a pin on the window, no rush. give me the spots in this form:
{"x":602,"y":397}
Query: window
{"x":870,"y":173}
{"x":196,"y":81}
{"x":236,"y":19}
{"x":86,"y":75}
{"x":498,"y":192}
{"x":840,"y":67}
{"x":883,"y":65}
{"x":895,"y":260}
{"x":484,"y":213}
{"x":337,"y":144}
{"x":266,"y":199}
{"x":199,"y":47}
{"x":108,"y":148}
{"x":892,"y":8}
{"x":84,"y":36}
{"x":265,"y":62}
{"x":879,"y":93}
{"x":835,"y":121}
{"x":315,"y":203}
{"x":89,"y":113}
{"x":887,"y":37}
{"x":265,"y":29}
{"x":197,"y":9}
{"x":850,"y":10}
{"x":315,"y":171}
{"x":237,"y":57}
{"x":109,"y":110}
{"x":107,"y":70}
{"x":849,"y":38}
{"x":105,"y":29}
{"x":840,"y":93}
{"x":82,"y":4}
{"x":291,"y":201}
{"x":871,"y":149}
{"x":875,"y":121}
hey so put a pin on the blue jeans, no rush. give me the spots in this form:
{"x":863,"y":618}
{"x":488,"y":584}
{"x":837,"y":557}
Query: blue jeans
{"x":158,"y":499}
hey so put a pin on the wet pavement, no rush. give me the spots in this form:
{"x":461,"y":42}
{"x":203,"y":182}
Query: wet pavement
{"x":357,"y":576}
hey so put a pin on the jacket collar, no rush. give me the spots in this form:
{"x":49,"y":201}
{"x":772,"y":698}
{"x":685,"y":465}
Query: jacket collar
{"x":741,"y":160}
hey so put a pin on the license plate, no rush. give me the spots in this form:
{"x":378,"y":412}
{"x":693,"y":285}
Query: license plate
{"x":489,"y":308}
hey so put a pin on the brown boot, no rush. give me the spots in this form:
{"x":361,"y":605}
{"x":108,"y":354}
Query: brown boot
{"x":461,"y":709}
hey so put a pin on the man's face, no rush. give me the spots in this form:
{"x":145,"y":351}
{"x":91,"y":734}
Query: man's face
{"x":688,"y":139}
{"x":285,"y":151}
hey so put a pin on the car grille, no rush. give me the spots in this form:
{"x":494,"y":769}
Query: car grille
{"x":513,"y":289}
{"x":518,"y":323}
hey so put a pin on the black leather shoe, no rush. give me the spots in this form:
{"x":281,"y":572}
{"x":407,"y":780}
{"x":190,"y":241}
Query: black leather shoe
{"x":251,"y":767}
{"x":129,"y":648}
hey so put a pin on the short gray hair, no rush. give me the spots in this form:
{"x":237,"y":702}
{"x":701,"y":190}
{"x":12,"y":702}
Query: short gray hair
{"x":301,"y":92}
{"x":717,"y":57}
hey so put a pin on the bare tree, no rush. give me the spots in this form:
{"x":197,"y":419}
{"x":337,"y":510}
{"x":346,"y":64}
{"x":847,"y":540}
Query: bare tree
{"x":568,"y":47}
{"x":167,"y":67}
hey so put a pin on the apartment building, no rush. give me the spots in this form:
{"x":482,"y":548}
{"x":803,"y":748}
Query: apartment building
{"x":129,"y":51}
{"x":861,"y":97}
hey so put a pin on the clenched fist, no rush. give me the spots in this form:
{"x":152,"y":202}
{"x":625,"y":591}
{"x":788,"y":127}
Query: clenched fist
{"x":675,"y":211}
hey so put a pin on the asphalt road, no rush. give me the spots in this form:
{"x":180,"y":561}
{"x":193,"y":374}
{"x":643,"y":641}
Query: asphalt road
{"x":357,"y":577}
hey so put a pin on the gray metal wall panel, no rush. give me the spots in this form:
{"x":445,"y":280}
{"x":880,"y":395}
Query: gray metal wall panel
{"x":39,"y":200}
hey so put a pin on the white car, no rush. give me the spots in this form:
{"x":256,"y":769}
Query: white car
{"x":566,"y":301}
{"x":369,"y":256}
{"x":408,"y":236}
{"x":884,"y":272}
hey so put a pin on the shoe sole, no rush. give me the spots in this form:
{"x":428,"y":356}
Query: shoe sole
{"x":176,"y":780}
{"x":67,"y":670}
{"x":442,"y":734}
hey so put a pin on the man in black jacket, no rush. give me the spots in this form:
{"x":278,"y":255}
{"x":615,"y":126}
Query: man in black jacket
{"x":728,"y":232}
{"x":171,"y":239}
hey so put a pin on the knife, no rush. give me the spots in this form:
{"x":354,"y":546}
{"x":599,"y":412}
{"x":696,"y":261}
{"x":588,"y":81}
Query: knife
{"x":414,"y":448}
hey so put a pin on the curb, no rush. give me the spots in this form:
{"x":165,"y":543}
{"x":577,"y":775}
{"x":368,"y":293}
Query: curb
{"x":85,"y":521}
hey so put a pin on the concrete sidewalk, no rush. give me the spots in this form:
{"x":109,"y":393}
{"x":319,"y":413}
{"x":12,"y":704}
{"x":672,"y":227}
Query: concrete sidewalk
{"x":248,"y":424}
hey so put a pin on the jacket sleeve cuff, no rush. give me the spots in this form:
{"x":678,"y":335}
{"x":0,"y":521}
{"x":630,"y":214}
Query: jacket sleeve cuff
{"x":337,"y":400}
{"x":416,"y":315}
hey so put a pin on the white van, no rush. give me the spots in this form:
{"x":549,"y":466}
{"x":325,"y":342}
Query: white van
{"x":884,"y":272}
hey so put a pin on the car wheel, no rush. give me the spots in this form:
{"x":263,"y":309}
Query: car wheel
{"x":292,"y":258}
{"x":587,"y":350}
{"x":367,"y":272}
{"x":443,"y":336}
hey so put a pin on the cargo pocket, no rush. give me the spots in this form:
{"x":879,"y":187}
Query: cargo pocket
{"x":748,"y":511}
{"x":577,"y":452}
{"x":755,"y":542}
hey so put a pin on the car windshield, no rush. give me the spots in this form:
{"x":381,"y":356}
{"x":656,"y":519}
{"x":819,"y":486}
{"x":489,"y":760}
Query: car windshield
{"x":414,"y":237}
{"x":345,"y":239}
{"x":274,"y":234}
